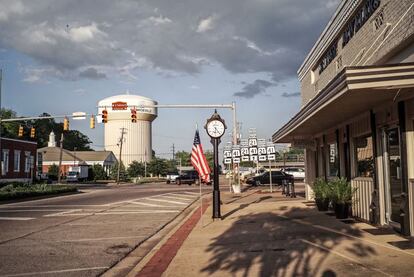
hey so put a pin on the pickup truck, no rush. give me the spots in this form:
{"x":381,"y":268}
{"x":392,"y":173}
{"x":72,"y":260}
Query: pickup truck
{"x":172,"y":177}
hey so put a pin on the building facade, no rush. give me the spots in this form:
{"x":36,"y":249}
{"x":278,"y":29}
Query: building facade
{"x":18,"y":160}
{"x":357,"y":114}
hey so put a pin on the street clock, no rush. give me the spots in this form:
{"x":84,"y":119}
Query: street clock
{"x":215,"y":126}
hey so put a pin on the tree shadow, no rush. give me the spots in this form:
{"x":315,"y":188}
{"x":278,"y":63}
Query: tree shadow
{"x":268,"y":244}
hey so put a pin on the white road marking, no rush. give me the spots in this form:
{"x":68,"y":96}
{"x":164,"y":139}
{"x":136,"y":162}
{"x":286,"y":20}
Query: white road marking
{"x":166,"y":201}
{"x":345,"y":257}
{"x":63,"y":213}
{"x":181,"y":195}
{"x":117,"y":213}
{"x":17,"y":211}
{"x":55,"y":271}
{"x":176,"y":197}
{"x":16,"y":218}
{"x":52,"y":206}
{"x":192,"y":193}
{"x":146,"y":204}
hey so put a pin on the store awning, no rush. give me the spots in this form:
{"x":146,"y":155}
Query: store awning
{"x":353,"y":91}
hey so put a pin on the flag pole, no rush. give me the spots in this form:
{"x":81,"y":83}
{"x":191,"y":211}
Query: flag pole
{"x":201,"y":196}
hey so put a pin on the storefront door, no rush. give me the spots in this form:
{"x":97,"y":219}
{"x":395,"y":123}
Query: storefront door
{"x":394,"y":178}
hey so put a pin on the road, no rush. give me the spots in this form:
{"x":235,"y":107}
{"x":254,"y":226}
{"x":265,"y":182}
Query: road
{"x":85,"y":234}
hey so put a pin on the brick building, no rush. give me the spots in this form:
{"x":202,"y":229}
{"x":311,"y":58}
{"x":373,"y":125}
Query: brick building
{"x":357,"y":115}
{"x":18,"y":160}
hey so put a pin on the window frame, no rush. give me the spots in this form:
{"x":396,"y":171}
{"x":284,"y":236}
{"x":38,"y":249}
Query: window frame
{"x":17,"y":160}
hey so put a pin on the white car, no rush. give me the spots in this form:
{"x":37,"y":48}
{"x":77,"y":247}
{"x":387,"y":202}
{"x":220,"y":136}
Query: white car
{"x":297,"y":172}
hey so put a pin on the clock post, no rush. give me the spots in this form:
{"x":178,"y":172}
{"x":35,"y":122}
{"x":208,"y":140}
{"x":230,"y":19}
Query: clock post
{"x":215,"y":128}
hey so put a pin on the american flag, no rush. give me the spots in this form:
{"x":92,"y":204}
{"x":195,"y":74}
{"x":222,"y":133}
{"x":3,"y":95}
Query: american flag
{"x":198,"y":160}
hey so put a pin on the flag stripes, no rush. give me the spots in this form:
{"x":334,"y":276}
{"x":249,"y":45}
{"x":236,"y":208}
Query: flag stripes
{"x":198,"y":159}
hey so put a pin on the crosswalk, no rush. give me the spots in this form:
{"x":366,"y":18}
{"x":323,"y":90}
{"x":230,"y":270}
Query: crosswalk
{"x":166,"y":203}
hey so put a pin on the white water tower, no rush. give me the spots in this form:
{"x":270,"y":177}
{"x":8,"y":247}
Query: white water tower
{"x":137,"y":143}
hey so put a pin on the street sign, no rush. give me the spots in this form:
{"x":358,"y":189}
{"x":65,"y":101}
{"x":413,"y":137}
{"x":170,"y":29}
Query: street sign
{"x":236,"y":154}
{"x":227,"y":161}
{"x":79,"y":115}
{"x":252,"y":142}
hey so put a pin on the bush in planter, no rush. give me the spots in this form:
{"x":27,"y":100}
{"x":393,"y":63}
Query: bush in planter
{"x":321,"y":191}
{"x":341,"y":196}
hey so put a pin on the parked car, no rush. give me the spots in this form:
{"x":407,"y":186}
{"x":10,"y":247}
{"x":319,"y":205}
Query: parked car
{"x":297,"y":172}
{"x":277,"y":178}
{"x":172,"y":177}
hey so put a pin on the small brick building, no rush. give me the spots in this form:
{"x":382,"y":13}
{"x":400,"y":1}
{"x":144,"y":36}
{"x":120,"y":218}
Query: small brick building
{"x":18,"y":160}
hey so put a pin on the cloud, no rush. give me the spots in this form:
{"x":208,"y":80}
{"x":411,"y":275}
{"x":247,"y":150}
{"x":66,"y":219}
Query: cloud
{"x":253,"y":89}
{"x":92,"y":73}
{"x":206,"y":25}
{"x":290,"y":94}
{"x":183,"y":36}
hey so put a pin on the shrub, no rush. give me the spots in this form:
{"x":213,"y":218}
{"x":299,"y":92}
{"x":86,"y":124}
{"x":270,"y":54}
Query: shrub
{"x":341,"y":191}
{"x":321,"y":189}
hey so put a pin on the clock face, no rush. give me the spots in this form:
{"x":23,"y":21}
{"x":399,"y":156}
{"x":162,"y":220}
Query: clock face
{"x":215,"y":128}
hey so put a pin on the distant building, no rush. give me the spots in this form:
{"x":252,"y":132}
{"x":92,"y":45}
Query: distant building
{"x":50,"y":155}
{"x":357,"y":115}
{"x":18,"y":159}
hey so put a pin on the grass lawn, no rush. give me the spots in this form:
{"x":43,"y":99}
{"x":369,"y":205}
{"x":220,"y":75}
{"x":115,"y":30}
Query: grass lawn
{"x":19,"y":191}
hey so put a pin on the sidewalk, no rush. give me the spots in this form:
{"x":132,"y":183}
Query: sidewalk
{"x":265,"y":234}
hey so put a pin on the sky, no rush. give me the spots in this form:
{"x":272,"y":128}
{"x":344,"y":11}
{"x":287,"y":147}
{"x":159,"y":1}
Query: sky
{"x":64,"y":56}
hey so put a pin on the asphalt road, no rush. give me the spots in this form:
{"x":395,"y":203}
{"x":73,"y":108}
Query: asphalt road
{"x":85,"y":234}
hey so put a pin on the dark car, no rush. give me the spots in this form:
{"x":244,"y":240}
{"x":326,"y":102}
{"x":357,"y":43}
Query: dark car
{"x":189,"y":177}
{"x":277,"y":178}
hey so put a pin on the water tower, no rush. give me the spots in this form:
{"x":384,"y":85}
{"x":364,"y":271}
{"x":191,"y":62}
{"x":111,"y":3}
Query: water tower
{"x":137,"y":142}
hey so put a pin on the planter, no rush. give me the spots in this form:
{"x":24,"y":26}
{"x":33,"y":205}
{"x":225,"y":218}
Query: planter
{"x":341,"y":210}
{"x":322,"y":204}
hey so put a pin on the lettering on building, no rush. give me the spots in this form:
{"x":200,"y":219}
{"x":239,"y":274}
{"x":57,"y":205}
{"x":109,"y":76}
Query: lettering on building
{"x":359,"y":19}
{"x":329,"y":56}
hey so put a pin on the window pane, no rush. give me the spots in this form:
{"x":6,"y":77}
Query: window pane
{"x":364,"y":156}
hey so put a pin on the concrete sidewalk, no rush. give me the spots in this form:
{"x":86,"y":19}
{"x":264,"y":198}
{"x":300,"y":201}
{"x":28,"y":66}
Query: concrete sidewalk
{"x":265,"y":234}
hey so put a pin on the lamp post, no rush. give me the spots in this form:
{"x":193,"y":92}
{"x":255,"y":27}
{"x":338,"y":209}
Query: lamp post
{"x":215,"y":128}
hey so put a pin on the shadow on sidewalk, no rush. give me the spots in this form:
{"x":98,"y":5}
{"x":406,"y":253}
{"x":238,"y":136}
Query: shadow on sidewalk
{"x":267,"y":244}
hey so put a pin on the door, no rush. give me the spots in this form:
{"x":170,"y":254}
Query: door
{"x":393,"y":164}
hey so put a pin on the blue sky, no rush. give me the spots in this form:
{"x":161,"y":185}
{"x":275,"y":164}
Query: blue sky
{"x":59,"y":57}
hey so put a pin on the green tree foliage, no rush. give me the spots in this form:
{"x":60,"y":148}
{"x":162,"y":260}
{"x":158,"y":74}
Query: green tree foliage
{"x":123,"y":175}
{"x":210,"y":158}
{"x":98,"y":172}
{"x":53,"y":172}
{"x":72,"y":138}
{"x":185,"y":158}
{"x":9,"y":129}
{"x":136,"y":169}
{"x":158,"y":167}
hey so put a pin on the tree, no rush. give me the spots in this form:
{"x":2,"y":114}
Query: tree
{"x":98,"y":172}
{"x":9,"y":129}
{"x":136,"y":169}
{"x":210,"y":158}
{"x":53,"y":172}
{"x":158,"y":167}
{"x":123,"y":176}
{"x":185,"y":158}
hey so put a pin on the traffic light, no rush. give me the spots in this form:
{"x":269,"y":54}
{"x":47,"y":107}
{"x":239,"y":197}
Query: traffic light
{"x":66,"y":124}
{"x":92,"y":122}
{"x":32,"y":132}
{"x":134,"y":115}
{"x":104,"y":116}
{"x":20,"y":131}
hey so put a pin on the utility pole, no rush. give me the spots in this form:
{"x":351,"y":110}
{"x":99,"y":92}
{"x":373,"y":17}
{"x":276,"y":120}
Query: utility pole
{"x":121,"y":141}
{"x":173,"y":152}
{"x":1,"y":152}
{"x":60,"y":158}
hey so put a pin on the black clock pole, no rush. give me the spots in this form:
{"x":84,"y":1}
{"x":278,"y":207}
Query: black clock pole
{"x":216,"y":189}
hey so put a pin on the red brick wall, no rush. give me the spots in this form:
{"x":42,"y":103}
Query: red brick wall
{"x":23,"y":147}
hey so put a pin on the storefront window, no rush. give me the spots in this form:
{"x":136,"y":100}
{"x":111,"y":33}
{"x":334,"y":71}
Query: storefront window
{"x":333,"y":162}
{"x":364,"y":156}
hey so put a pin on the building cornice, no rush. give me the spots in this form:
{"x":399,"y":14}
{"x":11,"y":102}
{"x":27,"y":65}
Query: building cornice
{"x":338,"y":21}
